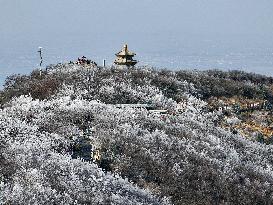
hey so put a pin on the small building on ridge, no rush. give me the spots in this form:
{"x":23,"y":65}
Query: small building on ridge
{"x":125,"y":57}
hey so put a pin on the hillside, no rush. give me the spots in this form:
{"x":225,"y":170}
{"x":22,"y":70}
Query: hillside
{"x":178,"y":148}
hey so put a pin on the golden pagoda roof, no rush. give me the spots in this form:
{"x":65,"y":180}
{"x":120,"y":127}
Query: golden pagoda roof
{"x":125,"y":52}
{"x":124,"y":61}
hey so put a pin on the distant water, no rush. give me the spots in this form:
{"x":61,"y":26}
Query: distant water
{"x":175,"y":34}
{"x":251,"y":60}
{"x":261,"y":63}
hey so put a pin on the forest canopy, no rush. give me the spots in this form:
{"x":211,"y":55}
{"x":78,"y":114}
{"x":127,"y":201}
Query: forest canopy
{"x":183,"y":157}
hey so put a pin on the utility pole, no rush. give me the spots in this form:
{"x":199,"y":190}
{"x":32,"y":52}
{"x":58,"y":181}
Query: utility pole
{"x":41,"y":59}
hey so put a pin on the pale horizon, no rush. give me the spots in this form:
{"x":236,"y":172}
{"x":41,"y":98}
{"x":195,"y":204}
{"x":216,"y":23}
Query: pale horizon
{"x":177,"y":34}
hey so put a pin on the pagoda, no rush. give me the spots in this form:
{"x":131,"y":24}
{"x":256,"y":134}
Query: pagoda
{"x":125,"y":57}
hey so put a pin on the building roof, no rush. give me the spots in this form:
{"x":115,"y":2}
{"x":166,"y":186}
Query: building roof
{"x":125,"y":52}
{"x":125,"y":60}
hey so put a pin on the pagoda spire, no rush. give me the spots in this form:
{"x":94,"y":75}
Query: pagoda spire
{"x":125,"y":57}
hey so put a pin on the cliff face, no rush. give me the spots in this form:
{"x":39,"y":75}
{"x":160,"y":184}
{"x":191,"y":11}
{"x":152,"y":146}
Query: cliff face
{"x":181,"y":154}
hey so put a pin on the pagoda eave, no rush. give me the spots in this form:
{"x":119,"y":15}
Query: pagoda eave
{"x":130,"y":63}
{"x":124,"y":55}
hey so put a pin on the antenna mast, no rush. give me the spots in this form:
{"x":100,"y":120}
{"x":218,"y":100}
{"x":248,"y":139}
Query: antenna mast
{"x":41,"y":59}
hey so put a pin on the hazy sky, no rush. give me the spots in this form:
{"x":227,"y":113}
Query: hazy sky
{"x":98,"y":28}
{"x":108,"y":20}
